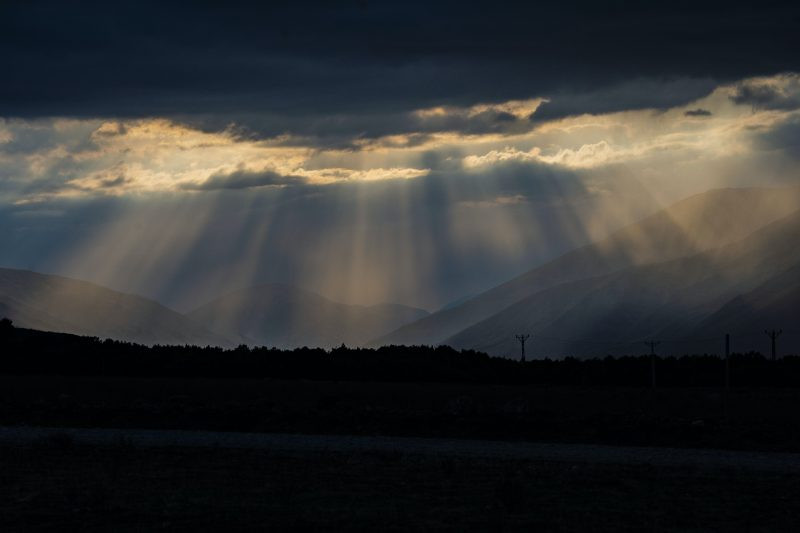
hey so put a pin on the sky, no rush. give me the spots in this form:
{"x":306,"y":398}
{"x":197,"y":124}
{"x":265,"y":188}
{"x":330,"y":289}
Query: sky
{"x":410,"y":152}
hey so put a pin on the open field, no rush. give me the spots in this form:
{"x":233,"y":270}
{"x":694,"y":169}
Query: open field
{"x":786,"y":463}
{"x":396,"y":482}
{"x":58,"y":484}
{"x":746,"y":419}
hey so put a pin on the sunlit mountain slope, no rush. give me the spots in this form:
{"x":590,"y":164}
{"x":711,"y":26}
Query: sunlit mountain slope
{"x":693,"y":225}
{"x":55,"y":303}
{"x":687,"y":303}
{"x":286,"y":317}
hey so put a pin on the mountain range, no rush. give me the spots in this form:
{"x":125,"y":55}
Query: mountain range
{"x":271,"y":315}
{"x":55,"y":303}
{"x":286,"y":317}
{"x":688,"y":303}
{"x":665,"y":274}
{"x":724,"y":261}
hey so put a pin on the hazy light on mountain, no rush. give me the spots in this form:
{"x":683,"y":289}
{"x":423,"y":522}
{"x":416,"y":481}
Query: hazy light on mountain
{"x":445,"y":200}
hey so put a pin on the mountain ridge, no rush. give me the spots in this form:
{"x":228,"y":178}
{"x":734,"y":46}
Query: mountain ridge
{"x":61,"y":304}
{"x":285,"y":316}
{"x":667,"y":234}
{"x":663,"y":300}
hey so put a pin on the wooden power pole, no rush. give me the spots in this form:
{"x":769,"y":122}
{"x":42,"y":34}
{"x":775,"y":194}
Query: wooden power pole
{"x":652,"y":345}
{"x":773,"y":335}
{"x":522,"y":339}
{"x":727,"y":361}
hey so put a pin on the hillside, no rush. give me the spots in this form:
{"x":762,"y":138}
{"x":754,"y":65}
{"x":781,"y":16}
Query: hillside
{"x":775,"y":304}
{"x":693,"y":225}
{"x":286,"y":317}
{"x":55,"y":303}
{"x":689,"y":303}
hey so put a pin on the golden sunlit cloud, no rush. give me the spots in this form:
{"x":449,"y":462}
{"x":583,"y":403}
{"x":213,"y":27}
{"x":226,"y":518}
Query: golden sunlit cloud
{"x":335,"y":175}
{"x":157,"y":155}
{"x":375,"y":221}
{"x":716,"y":126}
{"x":80,"y":158}
{"x":521,"y":109}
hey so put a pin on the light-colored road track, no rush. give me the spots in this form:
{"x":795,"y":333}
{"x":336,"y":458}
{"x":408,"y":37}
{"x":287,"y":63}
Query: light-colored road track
{"x":290,"y":443}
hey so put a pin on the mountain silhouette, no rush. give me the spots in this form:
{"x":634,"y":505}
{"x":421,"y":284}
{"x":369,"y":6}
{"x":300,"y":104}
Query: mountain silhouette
{"x":286,"y":317}
{"x":773,"y":304}
{"x":693,"y":225}
{"x":55,"y":303}
{"x":739,"y":288}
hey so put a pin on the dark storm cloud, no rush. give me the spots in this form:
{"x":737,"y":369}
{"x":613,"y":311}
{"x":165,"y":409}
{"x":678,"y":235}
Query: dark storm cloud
{"x":755,"y":95}
{"x":302,"y":66}
{"x":244,"y":179}
{"x":761,"y":94}
{"x":350,"y":131}
{"x":634,"y":94}
{"x":699,"y":112}
{"x":113,"y":183}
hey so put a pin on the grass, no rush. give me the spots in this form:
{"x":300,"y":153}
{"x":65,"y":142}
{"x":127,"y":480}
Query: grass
{"x":759,"y":419}
{"x":58,"y":485}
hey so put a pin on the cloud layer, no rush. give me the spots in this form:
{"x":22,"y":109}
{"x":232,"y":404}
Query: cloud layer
{"x":332,"y":70}
{"x":413,"y":151}
{"x":751,"y":120}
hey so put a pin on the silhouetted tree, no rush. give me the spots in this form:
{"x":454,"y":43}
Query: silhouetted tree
{"x":28,"y":351}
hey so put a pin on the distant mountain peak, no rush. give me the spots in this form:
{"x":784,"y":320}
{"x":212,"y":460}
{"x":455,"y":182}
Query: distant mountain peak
{"x":61,"y":304}
{"x":690,"y":226}
{"x":282,"y":315}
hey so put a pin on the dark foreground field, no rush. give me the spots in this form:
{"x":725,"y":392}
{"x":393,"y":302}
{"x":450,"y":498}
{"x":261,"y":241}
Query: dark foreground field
{"x":765,"y":419}
{"x":58,"y":485}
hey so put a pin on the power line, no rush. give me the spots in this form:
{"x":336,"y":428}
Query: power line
{"x":652,"y":345}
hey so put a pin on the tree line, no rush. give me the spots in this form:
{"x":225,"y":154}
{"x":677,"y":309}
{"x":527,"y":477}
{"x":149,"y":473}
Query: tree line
{"x":26,"y":351}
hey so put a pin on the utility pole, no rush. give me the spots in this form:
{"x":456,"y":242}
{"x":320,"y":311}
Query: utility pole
{"x":727,"y":361}
{"x":652,"y":345}
{"x":522,"y":339}
{"x":726,"y":395}
{"x":773,"y":335}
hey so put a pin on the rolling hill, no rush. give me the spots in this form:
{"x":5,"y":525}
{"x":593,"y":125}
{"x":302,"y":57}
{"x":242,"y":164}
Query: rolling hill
{"x":693,"y":225}
{"x":286,"y":317}
{"x":775,"y":304}
{"x":55,"y":303}
{"x":689,"y":303}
